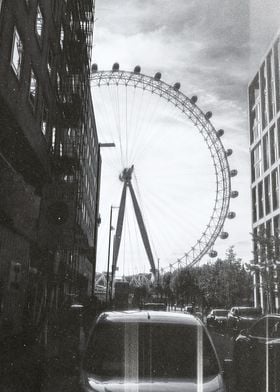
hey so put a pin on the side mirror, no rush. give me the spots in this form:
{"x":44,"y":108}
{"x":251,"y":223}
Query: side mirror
{"x":244,"y":332}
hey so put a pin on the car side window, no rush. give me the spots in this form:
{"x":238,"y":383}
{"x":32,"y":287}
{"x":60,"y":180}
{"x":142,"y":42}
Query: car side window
{"x":274,"y":328}
{"x":259,"y":329}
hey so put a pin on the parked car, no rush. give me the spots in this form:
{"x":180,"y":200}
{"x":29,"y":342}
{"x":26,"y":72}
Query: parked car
{"x":241,"y":317}
{"x":217,"y":318}
{"x":256,"y":356}
{"x":189,"y":309}
{"x":150,"y":351}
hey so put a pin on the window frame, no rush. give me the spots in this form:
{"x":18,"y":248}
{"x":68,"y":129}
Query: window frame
{"x":17,"y":69}
{"x":33,"y":98}
{"x":39,"y":25}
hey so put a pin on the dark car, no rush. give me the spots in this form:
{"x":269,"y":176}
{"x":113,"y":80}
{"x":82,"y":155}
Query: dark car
{"x":150,"y":351}
{"x":256,"y":356}
{"x":242,"y":317}
{"x":217,"y":318}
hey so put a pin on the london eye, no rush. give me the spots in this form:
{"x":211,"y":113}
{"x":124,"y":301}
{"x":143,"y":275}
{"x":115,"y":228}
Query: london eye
{"x":162,"y":133}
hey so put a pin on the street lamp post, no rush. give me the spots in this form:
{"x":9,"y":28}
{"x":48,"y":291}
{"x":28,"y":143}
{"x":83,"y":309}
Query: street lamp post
{"x":98,"y":183}
{"x":109,"y":251}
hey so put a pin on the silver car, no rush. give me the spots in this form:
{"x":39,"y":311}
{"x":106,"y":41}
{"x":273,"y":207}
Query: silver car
{"x":150,"y":351}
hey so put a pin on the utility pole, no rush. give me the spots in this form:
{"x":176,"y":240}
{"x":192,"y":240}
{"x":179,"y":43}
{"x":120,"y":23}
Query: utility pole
{"x":109,"y":253}
{"x":97,"y":211}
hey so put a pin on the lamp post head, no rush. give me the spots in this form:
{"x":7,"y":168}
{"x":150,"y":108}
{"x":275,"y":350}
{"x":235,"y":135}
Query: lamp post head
{"x":106,"y":145}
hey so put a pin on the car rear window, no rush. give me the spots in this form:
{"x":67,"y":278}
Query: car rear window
{"x":150,"y":351}
{"x":250,"y":312}
{"x":220,"y":312}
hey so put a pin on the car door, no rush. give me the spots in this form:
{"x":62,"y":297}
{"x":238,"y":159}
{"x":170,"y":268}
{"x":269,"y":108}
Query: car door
{"x":273,"y":353}
{"x":264,"y":345}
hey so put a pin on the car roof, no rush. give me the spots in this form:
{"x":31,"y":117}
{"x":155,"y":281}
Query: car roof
{"x":272,"y":315}
{"x":224,"y":310}
{"x":148,"y":316}
{"x":244,"y":307}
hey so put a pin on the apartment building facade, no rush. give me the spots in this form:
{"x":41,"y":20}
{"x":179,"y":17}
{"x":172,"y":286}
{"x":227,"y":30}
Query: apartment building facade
{"x":48,"y":158}
{"x":264,"y":125}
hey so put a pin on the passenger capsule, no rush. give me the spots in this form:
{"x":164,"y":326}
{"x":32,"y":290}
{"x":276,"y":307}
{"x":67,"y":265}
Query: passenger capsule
{"x":229,"y":152}
{"x":194,"y":99}
{"x":208,"y":115}
{"x":94,"y":68}
{"x":233,"y":173}
{"x":223,"y":235}
{"x":231,"y":215}
{"x":177,"y":86}
{"x":137,"y":69}
{"x":234,"y":194}
{"x":213,"y":253}
{"x":116,"y":67}
{"x":157,"y":76}
{"x":220,"y":132}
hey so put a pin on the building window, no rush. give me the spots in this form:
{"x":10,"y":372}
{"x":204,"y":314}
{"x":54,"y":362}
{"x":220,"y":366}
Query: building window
{"x":58,"y":86}
{"x":278,"y":69}
{"x":257,"y":161}
{"x":61,"y":37}
{"x":53,"y":138}
{"x":39,"y":22}
{"x":278,"y":135}
{"x":71,"y":22}
{"x":254,"y":204}
{"x":50,"y":61}
{"x":276,"y":220}
{"x":33,"y":89}
{"x":17,"y":52}
{"x":265,"y":152}
{"x":273,"y":147}
{"x":44,"y":123}
{"x":256,"y":125}
{"x":260,"y":199}
{"x":267,"y":192}
{"x":275,"y":189}
{"x":268,"y":228}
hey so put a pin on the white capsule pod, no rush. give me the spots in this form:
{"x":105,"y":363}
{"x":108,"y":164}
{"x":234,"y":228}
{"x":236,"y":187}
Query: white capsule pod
{"x":94,"y":68}
{"x":213,"y":253}
{"x":220,"y":132}
{"x":234,"y":194}
{"x":116,"y":67}
{"x":233,"y":173}
{"x":137,"y":69}
{"x":224,"y":235}
{"x":194,"y":99}
{"x":231,"y":215}
{"x":177,"y":86}
{"x":229,"y":152}
{"x":208,"y":115}
{"x":157,"y":76}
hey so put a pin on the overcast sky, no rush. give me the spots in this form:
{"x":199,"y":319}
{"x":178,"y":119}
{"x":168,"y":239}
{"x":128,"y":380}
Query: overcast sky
{"x":213,"y":48}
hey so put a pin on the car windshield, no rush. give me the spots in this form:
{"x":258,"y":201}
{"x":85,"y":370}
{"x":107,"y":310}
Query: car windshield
{"x":249,"y":312}
{"x":156,"y":351}
{"x":220,"y":312}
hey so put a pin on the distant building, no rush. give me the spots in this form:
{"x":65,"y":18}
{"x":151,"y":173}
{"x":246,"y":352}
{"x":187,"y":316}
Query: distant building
{"x":264,"y":123}
{"x":48,"y":158}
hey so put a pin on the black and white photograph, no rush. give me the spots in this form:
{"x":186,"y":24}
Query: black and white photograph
{"x":139,"y":195}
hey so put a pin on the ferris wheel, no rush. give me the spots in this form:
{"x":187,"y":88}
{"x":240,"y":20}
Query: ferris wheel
{"x":119,"y":83}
